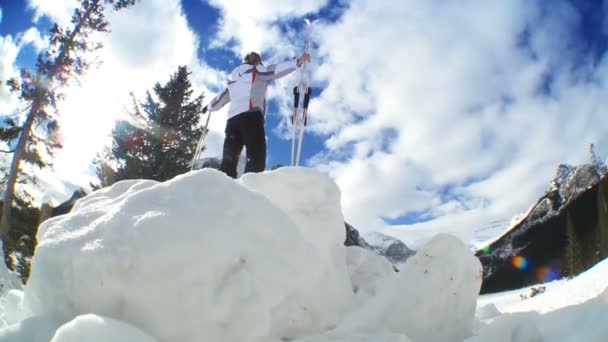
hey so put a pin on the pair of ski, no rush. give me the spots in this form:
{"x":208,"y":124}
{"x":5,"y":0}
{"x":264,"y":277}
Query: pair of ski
{"x":298,"y":122}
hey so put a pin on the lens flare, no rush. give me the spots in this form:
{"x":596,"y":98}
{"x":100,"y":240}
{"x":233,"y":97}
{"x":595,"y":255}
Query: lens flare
{"x":547,"y":274}
{"x":520,"y":263}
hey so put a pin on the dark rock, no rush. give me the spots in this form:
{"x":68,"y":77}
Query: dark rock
{"x":66,"y":206}
{"x":387,"y":246}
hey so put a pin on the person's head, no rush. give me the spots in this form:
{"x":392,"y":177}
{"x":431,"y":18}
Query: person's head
{"x":253,"y":58}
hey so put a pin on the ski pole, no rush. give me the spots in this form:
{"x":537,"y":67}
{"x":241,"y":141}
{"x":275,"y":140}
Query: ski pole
{"x":294,"y":121}
{"x":201,"y":141}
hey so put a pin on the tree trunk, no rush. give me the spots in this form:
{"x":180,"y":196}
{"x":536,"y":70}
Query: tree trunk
{"x":9,"y":193}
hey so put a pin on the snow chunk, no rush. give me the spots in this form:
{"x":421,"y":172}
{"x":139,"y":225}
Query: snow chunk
{"x":312,"y":201}
{"x":11,"y":307}
{"x":92,"y":328}
{"x":433,"y":298}
{"x":33,"y":329}
{"x":199,"y":257}
{"x":520,"y":327}
{"x":368,"y":271}
{"x":488,"y":311}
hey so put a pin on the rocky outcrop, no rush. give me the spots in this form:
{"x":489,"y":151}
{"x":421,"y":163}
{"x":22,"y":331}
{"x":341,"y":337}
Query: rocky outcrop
{"x":563,"y":234}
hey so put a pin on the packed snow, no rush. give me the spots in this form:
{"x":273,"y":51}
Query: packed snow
{"x":203,"y":257}
{"x":93,"y":328}
{"x":8,"y":279}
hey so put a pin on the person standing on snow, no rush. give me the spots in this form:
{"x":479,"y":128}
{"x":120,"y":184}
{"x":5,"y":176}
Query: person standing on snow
{"x":246,"y":93}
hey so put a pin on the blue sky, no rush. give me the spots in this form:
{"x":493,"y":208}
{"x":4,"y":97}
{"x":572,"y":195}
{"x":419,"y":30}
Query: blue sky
{"x":426,"y":115}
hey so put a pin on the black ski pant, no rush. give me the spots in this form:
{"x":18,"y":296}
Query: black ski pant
{"x":245,"y":129}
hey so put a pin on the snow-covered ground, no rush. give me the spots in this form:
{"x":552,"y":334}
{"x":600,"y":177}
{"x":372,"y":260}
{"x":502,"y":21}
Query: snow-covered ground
{"x":205,"y":258}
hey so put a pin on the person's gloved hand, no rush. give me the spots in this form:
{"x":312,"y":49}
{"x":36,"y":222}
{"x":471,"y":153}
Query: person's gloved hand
{"x":304,"y":58}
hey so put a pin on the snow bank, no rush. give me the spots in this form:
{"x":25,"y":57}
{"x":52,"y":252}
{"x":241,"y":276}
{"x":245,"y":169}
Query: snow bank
{"x":199,"y":257}
{"x":582,"y":322}
{"x":569,"y":310}
{"x":432,"y":298}
{"x":92,"y":328}
{"x":205,"y":258}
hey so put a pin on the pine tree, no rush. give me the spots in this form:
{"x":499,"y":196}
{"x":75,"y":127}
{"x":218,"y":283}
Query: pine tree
{"x":39,"y":91}
{"x":159,"y":140}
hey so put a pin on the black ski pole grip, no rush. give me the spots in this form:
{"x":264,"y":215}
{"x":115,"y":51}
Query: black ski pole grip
{"x":296,"y":97}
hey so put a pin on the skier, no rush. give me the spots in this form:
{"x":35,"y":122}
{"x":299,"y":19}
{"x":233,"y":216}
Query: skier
{"x":246,"y":92}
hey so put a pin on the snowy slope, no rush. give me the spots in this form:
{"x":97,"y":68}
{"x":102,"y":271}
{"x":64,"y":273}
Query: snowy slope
{"x":568,"y":310}
{"x":205,"y":258}
{"x":558,"y":294}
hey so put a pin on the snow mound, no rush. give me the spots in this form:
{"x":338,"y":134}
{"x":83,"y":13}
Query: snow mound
{"x":92,"y":328}
{"x":440,"y":283}
{"x":200,"y":257}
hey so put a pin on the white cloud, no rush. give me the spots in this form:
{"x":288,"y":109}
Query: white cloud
{"x":437,"y":109}
{"x":57,"y":11}
{"x":439,"y":76}
{"x":253,"y":24}
{"x":8,"y":55}
{"x":33,"y":36}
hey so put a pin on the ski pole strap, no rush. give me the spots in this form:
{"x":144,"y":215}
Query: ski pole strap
{"x":306,"y":97}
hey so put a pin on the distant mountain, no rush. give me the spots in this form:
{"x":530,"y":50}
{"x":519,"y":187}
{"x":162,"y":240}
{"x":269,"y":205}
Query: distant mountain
{"x":563,"y":234}
{"x":391,"y":248}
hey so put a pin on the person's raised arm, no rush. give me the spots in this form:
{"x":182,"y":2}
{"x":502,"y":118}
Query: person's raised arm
{"x":218,"y":102}
{"x":279,"y":70}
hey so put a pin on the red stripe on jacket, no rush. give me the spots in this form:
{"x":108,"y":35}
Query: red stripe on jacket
{"x":252,"y":81}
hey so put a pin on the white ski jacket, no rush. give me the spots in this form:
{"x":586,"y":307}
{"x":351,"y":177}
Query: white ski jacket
{"x":247,"y":84}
